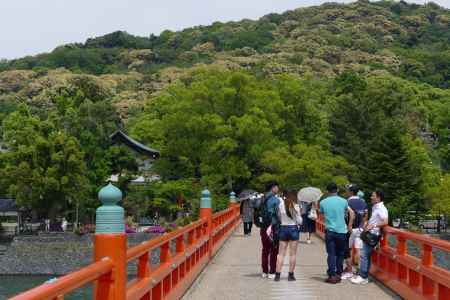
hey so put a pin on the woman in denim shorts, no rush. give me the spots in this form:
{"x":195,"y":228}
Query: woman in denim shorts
{"x":289,"y":234}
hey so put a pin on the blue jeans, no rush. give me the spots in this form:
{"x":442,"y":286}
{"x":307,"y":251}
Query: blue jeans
{"x":335,"y":244}
{"x":365,"y":260}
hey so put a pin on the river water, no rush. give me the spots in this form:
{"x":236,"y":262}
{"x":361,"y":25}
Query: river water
{"x":12,"y":285}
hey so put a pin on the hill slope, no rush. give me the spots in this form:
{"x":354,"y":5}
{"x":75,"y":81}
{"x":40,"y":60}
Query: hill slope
{"x":356,"y":92}
{"x":408,"y":40}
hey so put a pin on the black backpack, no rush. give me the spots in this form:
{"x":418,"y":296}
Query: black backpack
{"x":261,"y":215}
{"x":359,"y":218}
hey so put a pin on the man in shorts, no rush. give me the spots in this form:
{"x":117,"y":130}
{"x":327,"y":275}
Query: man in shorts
{"x":360,"y":210}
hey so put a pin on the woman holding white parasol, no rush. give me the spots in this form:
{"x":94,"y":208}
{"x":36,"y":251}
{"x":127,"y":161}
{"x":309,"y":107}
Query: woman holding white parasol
{"x":307,"y":199}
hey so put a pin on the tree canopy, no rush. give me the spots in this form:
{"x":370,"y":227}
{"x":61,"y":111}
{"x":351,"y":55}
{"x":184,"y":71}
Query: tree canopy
{"x":351,"y":93}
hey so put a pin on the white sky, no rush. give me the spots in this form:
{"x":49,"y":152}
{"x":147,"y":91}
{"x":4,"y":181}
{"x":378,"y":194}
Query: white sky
{"x":29,"y":27}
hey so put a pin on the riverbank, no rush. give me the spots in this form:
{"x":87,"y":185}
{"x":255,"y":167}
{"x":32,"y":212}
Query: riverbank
{"x":56,"y":253}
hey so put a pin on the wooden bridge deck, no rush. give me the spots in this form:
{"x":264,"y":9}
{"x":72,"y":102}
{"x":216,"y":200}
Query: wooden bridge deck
{"x":235,"y":273}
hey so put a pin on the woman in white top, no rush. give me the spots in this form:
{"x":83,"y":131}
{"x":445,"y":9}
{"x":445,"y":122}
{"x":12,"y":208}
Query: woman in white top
{"x":289,"y":234}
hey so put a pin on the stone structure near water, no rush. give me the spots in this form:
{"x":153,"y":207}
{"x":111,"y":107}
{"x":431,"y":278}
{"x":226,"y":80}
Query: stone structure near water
{"x":55,"y":253}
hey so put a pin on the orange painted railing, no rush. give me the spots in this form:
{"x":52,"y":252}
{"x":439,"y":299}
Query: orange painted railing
{"x":183,"y":254}
{"x":320,"y":227}
{"x":66,"y":284}
{"x":222,"y":224}
{"x":409,"y":276}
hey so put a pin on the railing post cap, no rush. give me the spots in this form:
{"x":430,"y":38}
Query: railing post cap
{"x":110,"y":195}
{"x":233,"y":197}
{"x":205,"y":201}
{"x":110,"y":216}
{"x":206,"y":193}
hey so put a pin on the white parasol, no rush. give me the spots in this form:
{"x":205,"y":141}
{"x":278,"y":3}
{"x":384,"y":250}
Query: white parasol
{"x":309,"y":194}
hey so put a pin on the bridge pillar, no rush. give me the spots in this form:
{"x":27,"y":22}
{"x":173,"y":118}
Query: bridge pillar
{"x":110,"y":242}
{"x":206,"y":212}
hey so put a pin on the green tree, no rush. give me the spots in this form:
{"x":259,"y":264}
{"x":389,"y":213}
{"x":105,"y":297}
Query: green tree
{"x":373,"y":121}
{"x":123,"y":164}
{"x":84,"y":111}
{"x":304,"y":165}
{"x":44,"y":167}
{"x":392,"y":167}
{"x":214,"y":125}
{"x":304,"y":115}
{"x":164,"y":195}
{"x":440,"y":196}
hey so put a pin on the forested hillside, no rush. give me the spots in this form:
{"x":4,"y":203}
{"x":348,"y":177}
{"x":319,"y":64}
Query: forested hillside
{"x":352,"y":93}
{"x":410,"y":41}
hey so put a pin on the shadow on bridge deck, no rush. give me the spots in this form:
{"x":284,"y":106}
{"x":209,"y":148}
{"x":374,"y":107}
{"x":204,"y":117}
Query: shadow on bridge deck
{"x":235,"y":273}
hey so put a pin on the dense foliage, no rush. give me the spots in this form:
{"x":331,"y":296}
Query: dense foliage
{"x":231,"y":130}
{"x":409,"y":40}
{"x":351,"y":93}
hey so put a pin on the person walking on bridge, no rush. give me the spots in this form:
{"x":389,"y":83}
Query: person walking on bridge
{"x":290,"y":220}
{"x":247,"y":216}
{"x":309,"y":225}
{"x":378,"y":219}
{"x":335,"y":209}
{"x":269,"y":217}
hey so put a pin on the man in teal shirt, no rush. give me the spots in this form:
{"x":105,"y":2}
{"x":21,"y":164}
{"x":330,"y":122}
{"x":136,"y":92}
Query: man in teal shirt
{"x":335,"y":209}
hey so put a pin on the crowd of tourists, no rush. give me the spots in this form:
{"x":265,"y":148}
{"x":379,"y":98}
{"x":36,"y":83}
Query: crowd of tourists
{"x":282,"y":216}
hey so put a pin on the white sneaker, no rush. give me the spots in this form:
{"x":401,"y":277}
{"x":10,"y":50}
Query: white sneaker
{"x":264,"y":275}
{"x":359,"y":280}
{"x":308,"y":241}
{"x":271,"y":276}
{"x":347,"y":275}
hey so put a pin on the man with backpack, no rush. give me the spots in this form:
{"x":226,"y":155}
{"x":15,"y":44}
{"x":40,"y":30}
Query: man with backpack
{"x":360,"y":210}
{"x":265,"y":216}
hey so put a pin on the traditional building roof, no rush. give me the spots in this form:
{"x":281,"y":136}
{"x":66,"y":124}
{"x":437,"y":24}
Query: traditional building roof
{"x":120,"y":136}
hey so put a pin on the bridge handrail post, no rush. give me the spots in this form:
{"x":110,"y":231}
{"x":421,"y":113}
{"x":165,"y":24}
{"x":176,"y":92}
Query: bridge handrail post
{"x":427,"y":255}
{"x":401,"y":245}
{"x":427,"y":261}
{"x":206,"y":212}
{"x":233,"y":204}
{"x":110,"y":241}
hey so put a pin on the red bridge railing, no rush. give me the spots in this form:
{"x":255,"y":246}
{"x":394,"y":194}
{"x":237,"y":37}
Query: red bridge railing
{"x":183,"y":254}
{"x":66,"y":284}
{"x":407,"y":275}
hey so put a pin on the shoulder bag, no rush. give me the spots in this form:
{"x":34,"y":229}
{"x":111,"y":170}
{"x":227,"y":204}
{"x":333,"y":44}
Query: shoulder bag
{"x":370,"y":239}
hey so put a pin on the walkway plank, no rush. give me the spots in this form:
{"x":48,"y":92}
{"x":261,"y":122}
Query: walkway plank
{"x":235,"y":273}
